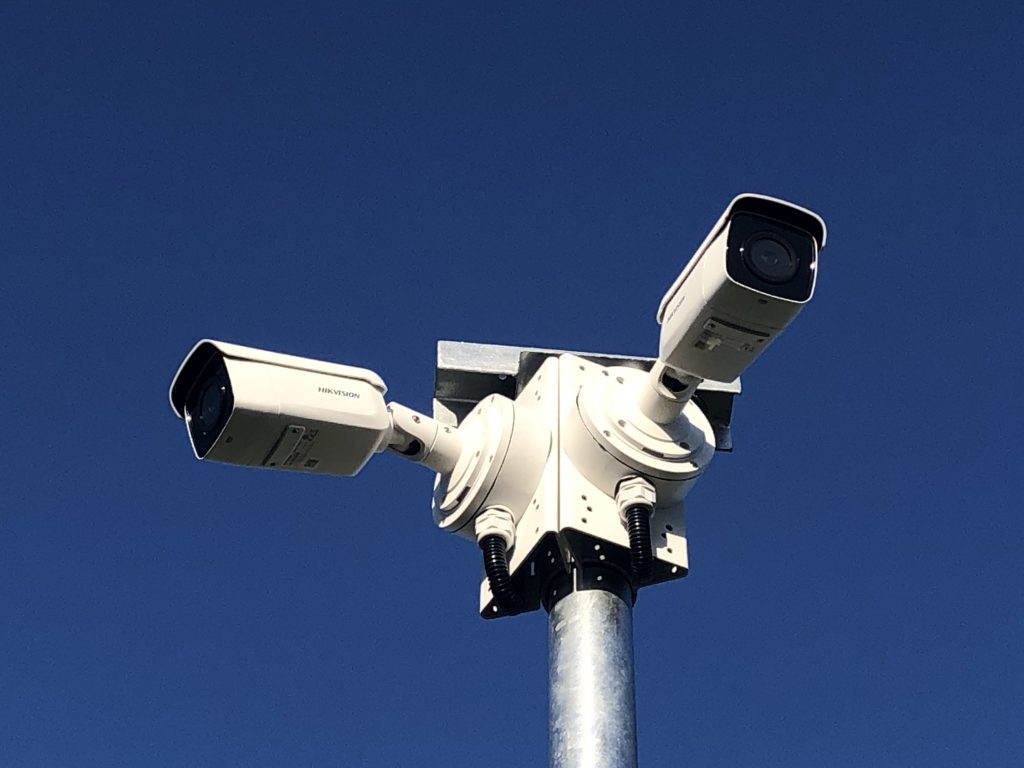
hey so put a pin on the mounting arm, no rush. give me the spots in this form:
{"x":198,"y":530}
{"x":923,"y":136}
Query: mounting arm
{"x":423,"y":440}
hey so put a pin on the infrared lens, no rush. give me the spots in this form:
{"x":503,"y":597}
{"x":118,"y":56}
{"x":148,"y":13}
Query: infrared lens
{"x":770,"y":259}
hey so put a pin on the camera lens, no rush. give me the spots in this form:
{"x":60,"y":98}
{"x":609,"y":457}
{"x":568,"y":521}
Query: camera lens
{"x":211,"y":405}
{"x":208,"y":406}
{"x":771,"y":259}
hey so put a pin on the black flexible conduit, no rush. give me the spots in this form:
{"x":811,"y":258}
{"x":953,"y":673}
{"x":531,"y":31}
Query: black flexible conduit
{"x":638,"y":525}
{"x":496,"y":568}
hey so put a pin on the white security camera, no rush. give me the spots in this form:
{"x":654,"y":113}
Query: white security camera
{"x":257,"y":408}
{"x":749,"y":278}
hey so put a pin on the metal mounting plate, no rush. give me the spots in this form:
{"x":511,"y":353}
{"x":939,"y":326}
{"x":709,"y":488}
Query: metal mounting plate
{"x":467,"y":372}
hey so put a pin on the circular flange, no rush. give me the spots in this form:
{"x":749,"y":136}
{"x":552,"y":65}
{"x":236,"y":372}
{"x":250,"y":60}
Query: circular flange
{"x":676,"y":451}
{"x":486,"y":433}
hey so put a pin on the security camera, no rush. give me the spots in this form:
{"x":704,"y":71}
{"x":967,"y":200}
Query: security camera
{"x":746,"y":282}
{"x":257,"y":408}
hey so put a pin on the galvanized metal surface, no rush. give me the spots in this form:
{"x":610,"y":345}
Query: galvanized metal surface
{"x":467,"y":372}
{"x":592,"y":712}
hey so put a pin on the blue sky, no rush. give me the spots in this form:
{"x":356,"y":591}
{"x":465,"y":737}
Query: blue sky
{"x":356,"y":182}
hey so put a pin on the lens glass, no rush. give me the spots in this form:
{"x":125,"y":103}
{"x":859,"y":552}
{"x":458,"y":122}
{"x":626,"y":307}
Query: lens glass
{"x":211,"y":405}
{"x":208,"y":406}
{"x":770,"y":259}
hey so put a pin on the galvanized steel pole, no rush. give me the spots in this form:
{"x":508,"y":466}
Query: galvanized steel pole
{"x":592,"y":710}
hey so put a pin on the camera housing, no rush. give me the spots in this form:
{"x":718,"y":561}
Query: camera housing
{"x":252,"y":407}
{"x":749,"y":278}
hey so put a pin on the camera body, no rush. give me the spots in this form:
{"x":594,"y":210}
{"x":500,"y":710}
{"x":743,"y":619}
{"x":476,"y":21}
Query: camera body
{"x":257,"y":408}
{"x":749,"y":278}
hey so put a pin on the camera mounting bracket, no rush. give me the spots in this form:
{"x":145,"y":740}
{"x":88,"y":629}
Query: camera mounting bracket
{"x":570,"y":521}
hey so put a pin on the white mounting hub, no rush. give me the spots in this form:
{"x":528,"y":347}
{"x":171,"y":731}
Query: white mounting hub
{"x":670,"y":455}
